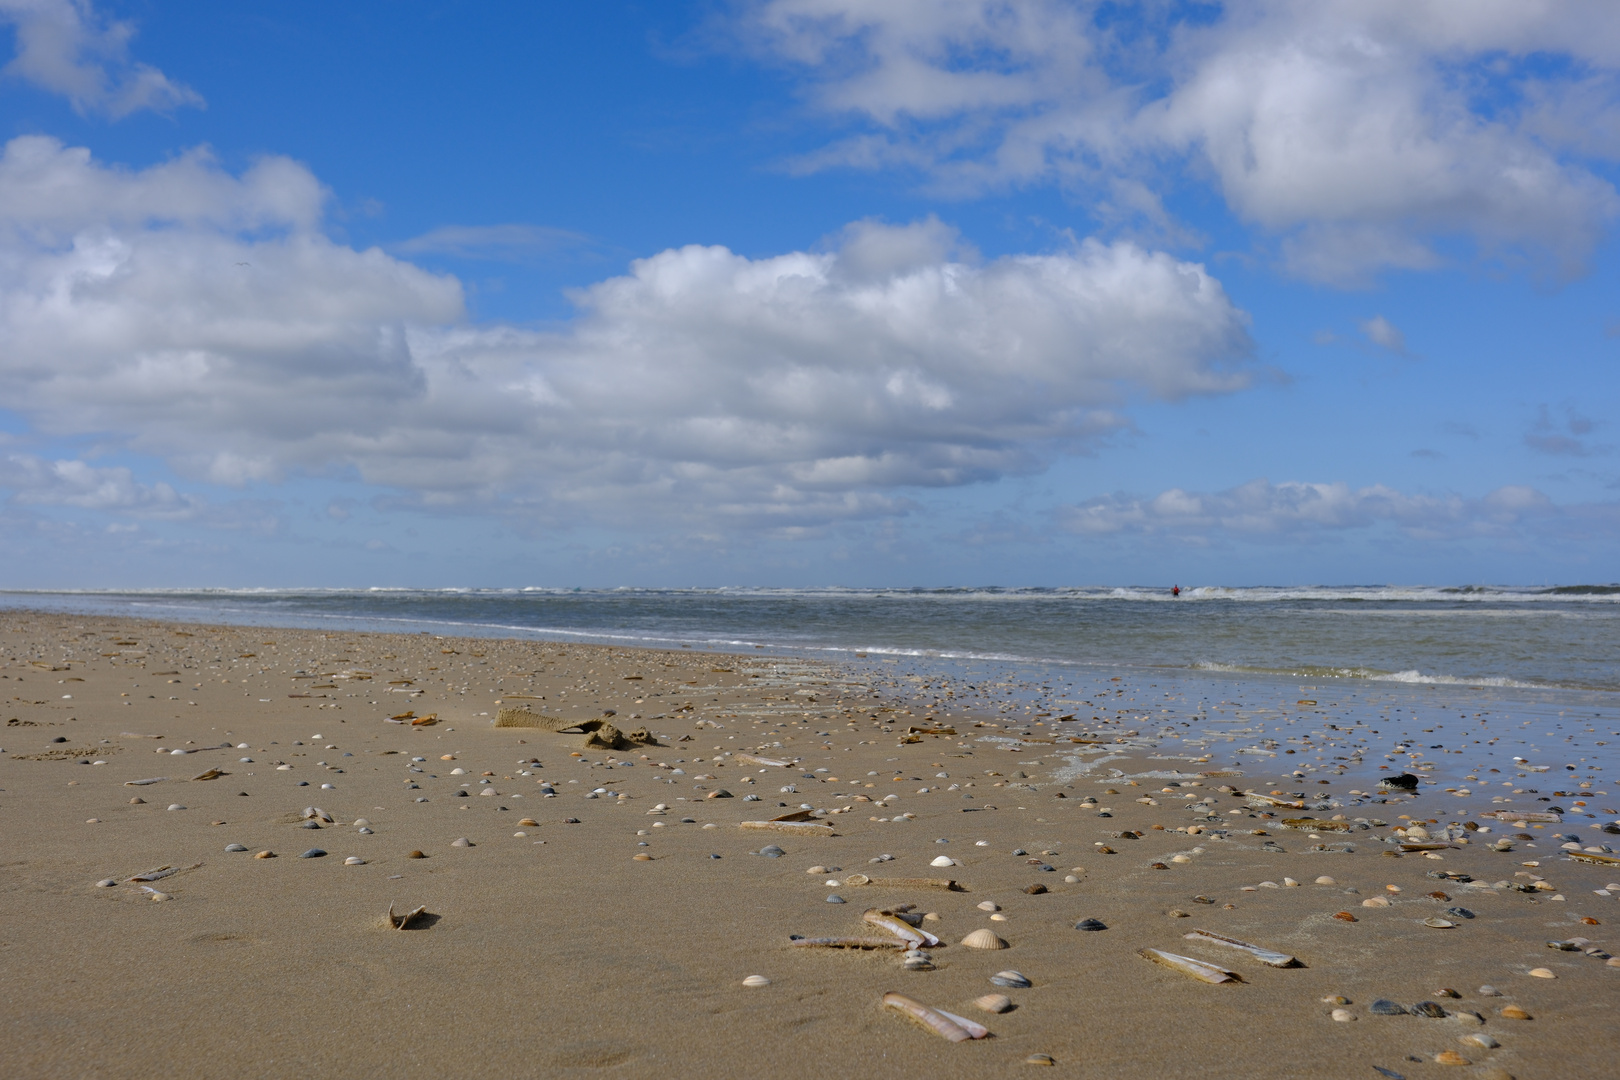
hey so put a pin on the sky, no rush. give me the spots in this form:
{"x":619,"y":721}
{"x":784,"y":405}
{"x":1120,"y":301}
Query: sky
{"x":808,"y":292}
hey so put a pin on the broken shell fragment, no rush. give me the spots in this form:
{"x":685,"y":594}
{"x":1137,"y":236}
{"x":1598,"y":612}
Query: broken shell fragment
{"x":1196,"y":969}
{"x":983,"y":939}
{"x":399,"y":922}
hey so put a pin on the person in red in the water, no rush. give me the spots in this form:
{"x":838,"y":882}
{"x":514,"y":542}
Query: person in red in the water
{"x":1175,"y":590}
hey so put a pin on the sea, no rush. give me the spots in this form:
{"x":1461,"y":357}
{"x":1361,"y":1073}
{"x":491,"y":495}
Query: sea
{"x":1507,"y":698}
{"x":1564,"y":637}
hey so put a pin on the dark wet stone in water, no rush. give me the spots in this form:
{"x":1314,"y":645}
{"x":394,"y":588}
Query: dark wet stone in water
{"x":1404,"y":781}
{"x":1459,"y":912}
{"x":313,"y":853}
{"x":310,"y":825}
{"x":836,"y":899}
{"x":1386,"y":1007}
{"x":771,"y":851}
{"x":1011,"y":978}
{"x":1431,"y":1009}
{"x":1090,"y":924}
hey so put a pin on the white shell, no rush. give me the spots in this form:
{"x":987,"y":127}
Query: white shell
{"x":756,"y":981}
{"x":994,"y":1003}
{"x":983,"y":939}
{"x":943,"y":860}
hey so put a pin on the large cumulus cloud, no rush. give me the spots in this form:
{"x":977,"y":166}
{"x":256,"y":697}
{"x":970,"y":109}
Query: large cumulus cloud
{"x":206,"y":317}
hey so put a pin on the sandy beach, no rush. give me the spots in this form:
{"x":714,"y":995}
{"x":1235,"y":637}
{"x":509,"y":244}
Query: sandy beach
{"x":594,"y":910}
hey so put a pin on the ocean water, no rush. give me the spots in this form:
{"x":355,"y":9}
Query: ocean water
{"x":1551,"y":638}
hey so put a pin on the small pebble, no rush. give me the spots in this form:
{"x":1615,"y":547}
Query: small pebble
{"x":756,"y":981}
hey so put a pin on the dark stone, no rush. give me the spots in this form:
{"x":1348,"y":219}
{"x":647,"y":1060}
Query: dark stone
{"x":1459,"y":913}
{"x":1403,"y":781}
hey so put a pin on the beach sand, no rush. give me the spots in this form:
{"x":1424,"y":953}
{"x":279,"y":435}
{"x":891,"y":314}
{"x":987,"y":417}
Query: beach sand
{"x":558,"y":953}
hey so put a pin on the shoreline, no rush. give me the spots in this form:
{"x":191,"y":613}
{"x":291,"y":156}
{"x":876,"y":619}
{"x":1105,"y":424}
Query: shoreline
{"x":553,"y":948}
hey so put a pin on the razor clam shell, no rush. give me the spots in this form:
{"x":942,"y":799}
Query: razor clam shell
{"x":797,"y":828}
{"x":930,"y":1018}
{"x":948,"y":884}
{"x":1593,"y":857}
{"x":1426,"y":847}
{"x":972,"y":1027}
{"x":913,"y":938}
{"x":399,"y":922}
{"x":1197,"y":969}
{"x":752,"y":760}
{"x":1292,"y":804}
{"x":155,"y":875}
{"x":1310,"y":824}
{"x":846,"y":943}
{"x":1269,"y":957}
{"x":1534,"y":815}
{"x":143,"y":783}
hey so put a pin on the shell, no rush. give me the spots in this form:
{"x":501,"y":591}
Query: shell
{"x":154,"y":894}
{"x":887,"y":921}
{"x":313,"y":853}
{"x":461,"y":841}
{"x":235,"y":847}
{"x":994,"y":1003}
{"x":989,"y":905}
{"x":1091,"y":924}
{"x":846,"y":943}
{"x":315,"y":813}
{"x":143,"y":783}
{"x":211,"y":774}
{"x":399,"y":922}
{"x":943,"y":860}
{"x":1325,"y":880}
{"x":798,"y":828}
{"x":983,"y":939}
{"x":1513,"y":1012}
{"x":1015,"y":980}
{"x":1542,"y":973}
{"x":528,"y":821}
{"x":972,"y":1027}
{"x":1450,"y":1057}
{"x":415,"y":855}
{"x":930,"y":1018}
{"x":756,"y":981}
{"x":265,"y":854}
{"x":948,"y":884}
{"x":1439,"y":924}
{"x":1197,"y":969}
{"x":1269,"y":957}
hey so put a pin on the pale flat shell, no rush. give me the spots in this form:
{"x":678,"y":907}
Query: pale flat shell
{"x":1197,"y":969}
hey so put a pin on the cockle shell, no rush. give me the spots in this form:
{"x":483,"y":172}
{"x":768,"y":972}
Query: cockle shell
{"x":983,"y":939}
{"x":994,"y":1003}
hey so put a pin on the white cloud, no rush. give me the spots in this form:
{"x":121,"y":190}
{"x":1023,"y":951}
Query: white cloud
{"x":68,"y":48}
{"x":1383,"y":333}
{"x":34,"y":481}
{"x":206,"y":318}
{"x":1295,"y":510}
{"x":1357,"y":132}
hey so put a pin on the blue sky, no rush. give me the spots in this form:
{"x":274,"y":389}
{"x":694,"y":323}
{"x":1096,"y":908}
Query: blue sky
{"x":788,"y":292}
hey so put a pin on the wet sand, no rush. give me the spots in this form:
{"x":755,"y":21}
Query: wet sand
{"x":558,"y":952}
